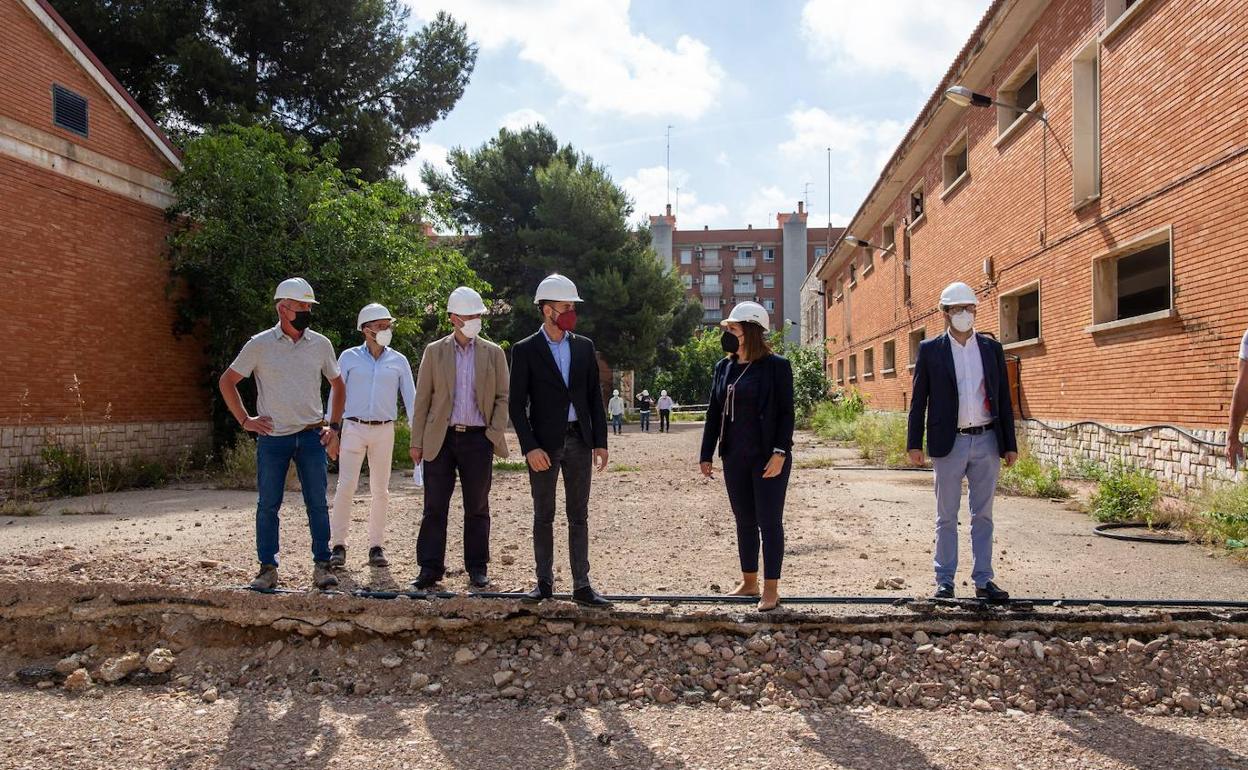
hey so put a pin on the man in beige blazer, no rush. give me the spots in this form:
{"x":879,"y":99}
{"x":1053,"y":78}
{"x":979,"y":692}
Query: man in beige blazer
{"x":458,"y":425}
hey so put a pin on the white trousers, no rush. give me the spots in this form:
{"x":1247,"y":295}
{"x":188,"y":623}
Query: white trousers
{"x":358,"y":440}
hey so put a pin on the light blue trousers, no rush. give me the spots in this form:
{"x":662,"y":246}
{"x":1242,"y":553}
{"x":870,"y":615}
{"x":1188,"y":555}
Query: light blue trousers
{"x":975,"y":459}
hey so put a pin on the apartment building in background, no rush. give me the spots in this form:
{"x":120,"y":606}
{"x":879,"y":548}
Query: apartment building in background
{"x":1106,"y":242}
{"x":720,"y":268}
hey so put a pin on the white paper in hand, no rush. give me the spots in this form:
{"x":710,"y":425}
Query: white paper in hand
{"x":418,"y":475}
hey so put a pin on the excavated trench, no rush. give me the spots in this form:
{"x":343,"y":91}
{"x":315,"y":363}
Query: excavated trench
{"x":79,"y":638}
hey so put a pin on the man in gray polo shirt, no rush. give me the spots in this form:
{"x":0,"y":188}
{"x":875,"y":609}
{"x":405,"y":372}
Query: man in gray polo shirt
{"x":288,"y":362}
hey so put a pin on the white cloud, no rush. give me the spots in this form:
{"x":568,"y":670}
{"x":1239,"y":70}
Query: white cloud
{"x":648,"y":189}
{"x":430,"y":152}
{"x":918,"y":40}
{"x":761,"y":209}
{"x":860,"y":147}
{"x":722,"y":159}
{"x":591,"y":51}
{"x":521,"y":118}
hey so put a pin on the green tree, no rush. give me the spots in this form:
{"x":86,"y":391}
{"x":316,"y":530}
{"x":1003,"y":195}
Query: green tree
{"x":346,"y":71}
{"x":254,"y":208}
{"x":687,"y":378}
{"x":535,"y":207}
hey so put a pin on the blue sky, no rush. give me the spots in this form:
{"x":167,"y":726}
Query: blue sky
{"x":755,"y":92}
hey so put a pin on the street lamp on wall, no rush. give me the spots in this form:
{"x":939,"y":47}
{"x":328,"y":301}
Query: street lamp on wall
{"x":852,"y":241}
{"x":965,"y":97}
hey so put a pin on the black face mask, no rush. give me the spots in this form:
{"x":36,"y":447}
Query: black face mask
{"x":729,"y":342}
{"x":302,"y":319}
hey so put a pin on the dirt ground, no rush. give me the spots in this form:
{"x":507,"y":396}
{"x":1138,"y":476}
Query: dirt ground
{"x":129,"y":728}
{"x":661,"y":528}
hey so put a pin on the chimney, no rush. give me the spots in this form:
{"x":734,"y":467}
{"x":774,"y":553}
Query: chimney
{"x":801,"y":206}
{"x":706,"y":227}
{"x":668,"y":212}
{"x":749,"y":227}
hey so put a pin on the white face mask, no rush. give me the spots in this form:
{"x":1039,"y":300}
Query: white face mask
{"x":471,"y":328}
{"x":963,"y":321}
{"x":383,"y":337}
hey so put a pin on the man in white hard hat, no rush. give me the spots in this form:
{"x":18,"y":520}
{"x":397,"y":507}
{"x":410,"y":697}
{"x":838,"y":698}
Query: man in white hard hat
{"x":962,"y":399}
{"x":644,"y":404}
{"x":376,"y":375}
{"x":556,"y":408}
{"x":458,"y":426}
{"x":615,"y":408}
{"x":665,"y":405}
{"x":288,"y":362}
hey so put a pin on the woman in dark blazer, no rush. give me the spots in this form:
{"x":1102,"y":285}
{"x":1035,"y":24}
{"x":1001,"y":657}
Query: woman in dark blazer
{"x":750,"y":416}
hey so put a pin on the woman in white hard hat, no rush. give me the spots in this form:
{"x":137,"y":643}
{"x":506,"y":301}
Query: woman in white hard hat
{"x":665,"y":405}
{"x":376,"y":376}
{"x":750,"y":416}
{"x":644,"y":404}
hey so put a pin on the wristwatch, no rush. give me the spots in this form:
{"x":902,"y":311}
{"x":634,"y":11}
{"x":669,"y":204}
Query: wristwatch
{"x":336,"y":427}
{"x":780,"y":452}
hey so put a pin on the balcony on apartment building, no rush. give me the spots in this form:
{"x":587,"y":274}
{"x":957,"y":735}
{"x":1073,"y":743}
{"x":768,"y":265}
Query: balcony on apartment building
{"x":744,"y":289}
{"x":709,"y":261}
{"x":744,"y":264}
{"x":715,"y":289}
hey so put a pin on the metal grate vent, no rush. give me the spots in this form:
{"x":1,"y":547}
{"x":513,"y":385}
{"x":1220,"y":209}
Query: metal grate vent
{"x":69,"y":110}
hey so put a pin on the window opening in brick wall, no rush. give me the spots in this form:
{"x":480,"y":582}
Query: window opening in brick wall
{"x":955,"y":162}
{"x":1135,"y":281}
{"x":890,"y":357}
{"x":916,"y":338}
{"x":1086,"y":124}
{"x":868,"y":363}
{"x":1020,"y":92}
{"x":1020,"y":315}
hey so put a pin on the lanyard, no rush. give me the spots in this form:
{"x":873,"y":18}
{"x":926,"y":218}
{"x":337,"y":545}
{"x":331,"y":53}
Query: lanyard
{"x":730,"y":410}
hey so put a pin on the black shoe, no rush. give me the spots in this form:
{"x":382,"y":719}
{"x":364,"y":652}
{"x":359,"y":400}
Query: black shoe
{"x":588,"y":597}
{"x":943,"y":591}
{"x":478,"y":579}
{"x":542,"y":591}
{"x":338,"y":557}
{"x":377,"y":557}
{"x":425,"y":580}
{"x":991,"y":592}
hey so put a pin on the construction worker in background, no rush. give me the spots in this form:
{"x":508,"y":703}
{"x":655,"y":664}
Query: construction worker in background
{"x":556,"y":408}
{"x":962,"y":398}
{"x":615,"y":408}
{"x":457,"y":427}
{"x":288,"y":362}
{"x":644,"y":404}
{"x":1239,"y":407}
{"x":665,"y":412}
{"x":375,"y":375}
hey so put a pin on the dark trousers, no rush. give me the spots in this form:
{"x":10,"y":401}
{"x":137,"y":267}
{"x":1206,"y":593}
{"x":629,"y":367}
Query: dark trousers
{"x":472,"y":455}
{"x":645,"y":420}
{"x":575,"y":458}
{"x":273,"y":457}
{"x":758,"y":505}
{"x":665,"y":420}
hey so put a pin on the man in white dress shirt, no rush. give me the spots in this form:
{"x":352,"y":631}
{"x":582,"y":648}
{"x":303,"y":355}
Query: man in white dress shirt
{"x":962,"y":389}
{"x":375,"y":375}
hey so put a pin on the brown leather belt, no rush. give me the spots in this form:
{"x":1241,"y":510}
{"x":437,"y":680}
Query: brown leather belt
{"x":370,"y":422}
{"x":468,"y":428}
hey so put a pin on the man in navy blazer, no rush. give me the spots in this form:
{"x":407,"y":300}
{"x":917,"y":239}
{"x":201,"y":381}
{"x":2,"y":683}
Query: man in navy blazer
{"x":556,"y":409}
{"x":962,"y":398}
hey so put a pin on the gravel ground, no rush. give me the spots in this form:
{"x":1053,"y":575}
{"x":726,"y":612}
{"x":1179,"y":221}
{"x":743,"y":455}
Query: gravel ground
{"x":131,"y":728}
{"x":660,"y":528}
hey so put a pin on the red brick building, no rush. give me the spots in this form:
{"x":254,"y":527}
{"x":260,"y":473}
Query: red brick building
{"x":85,"y":322}
{"x":1106,"y":247}
{"x":723,"y":267}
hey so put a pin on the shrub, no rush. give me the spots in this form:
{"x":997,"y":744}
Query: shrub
{"x":402,"y":445}
{"x":1084,"y":469}
{"x":1221,"y":516}
{"x":834,"y":420}
{"x":1031,"y":478}
{"x":238,"y":465}
{"x":1125,"y":493}
{"x":68,"y":472}
{"x":881,"y":437}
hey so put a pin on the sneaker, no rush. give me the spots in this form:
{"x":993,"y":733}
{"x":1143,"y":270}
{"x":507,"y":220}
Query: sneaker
{"x":944,"y":591}
{"x":338,"y":557}
{"x":322,"y":576}
{"x":377,"y":557}
{"x":266,"y":579}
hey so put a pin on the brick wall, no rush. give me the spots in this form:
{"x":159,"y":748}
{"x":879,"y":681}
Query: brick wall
{"x":1174,"y":153}
{"x":85,"y":319}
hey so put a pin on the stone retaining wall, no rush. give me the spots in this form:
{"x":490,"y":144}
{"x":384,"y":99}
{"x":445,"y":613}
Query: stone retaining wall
{"x":1178,"y":462}
{"x":118,"y":441}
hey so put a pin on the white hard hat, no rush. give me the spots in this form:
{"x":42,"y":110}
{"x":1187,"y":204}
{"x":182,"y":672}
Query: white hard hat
{"x":372,"y":312}
{"x":958,"y":293}
{"x":615,"y":392}
{"x":645,"y":392}
{"x":556,"y":288}
{"x":296,"y":289}
{"x":465,"y":301}
{"x":662,"y":392}
{"x":748,"y":312}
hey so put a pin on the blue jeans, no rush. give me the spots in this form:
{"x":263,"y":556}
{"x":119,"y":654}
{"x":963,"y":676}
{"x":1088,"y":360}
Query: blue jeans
{"x":617,"y":423}
{"x":645,"y":420}
{"x":974,"y":458}
{"x":273,"y":456}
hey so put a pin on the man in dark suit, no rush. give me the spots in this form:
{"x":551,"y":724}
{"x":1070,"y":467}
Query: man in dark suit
{"x":556,"y":409}
{"x":961,"y":384}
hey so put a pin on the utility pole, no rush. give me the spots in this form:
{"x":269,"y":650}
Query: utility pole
{"x":806,"y":194}
{"x":676,"y":211}
{"x":828,"y":241}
